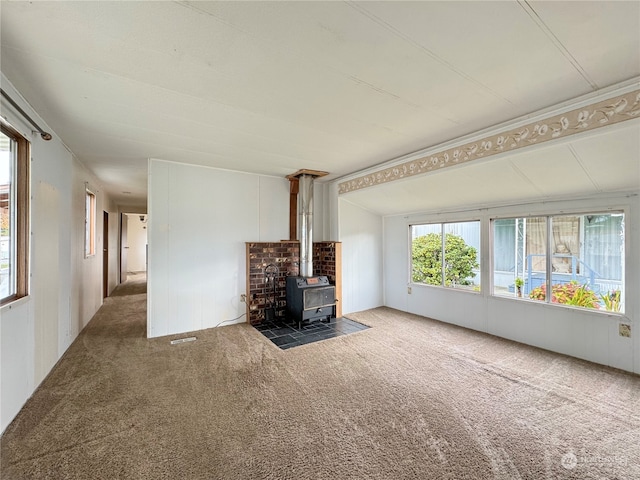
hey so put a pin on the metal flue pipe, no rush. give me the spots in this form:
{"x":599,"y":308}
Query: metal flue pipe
{"x":306,"y":225}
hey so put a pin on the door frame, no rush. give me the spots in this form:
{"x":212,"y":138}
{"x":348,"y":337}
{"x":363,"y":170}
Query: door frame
{"x":122,"y":272}
{"x":105,"y":255}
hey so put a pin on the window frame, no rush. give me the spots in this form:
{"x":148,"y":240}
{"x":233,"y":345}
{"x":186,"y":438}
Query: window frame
{"x":89,"y":224}
{"x":477,"y":289}
{"x":549,"y":255}
{"x":20,"y":214}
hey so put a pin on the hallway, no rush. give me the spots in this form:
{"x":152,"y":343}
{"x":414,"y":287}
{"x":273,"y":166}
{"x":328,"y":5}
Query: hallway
{"x":136,"y":284}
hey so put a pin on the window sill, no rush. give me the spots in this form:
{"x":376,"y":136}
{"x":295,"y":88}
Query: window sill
{"x":15,"y":303}
{"x":448,"y":289}
{"x":528,"y":301}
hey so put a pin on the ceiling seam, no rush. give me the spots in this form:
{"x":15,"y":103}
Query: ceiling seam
{"x":359,"y":82}
{"x":425,"y":50}
{"x":188,"y":136}
{"x":579,"y":160}
{"x":338,"y":72}
{"x":556,"y":42}
{"x":202,"y":11}
{"x":526,"y":178}
{"x":356,"y":80}
{"x":209,"y":100}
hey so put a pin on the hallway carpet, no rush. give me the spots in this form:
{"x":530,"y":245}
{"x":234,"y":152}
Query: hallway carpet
{"x":411,"y":398}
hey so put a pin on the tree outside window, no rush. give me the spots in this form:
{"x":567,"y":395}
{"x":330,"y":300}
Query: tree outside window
{"x":459,"y":249}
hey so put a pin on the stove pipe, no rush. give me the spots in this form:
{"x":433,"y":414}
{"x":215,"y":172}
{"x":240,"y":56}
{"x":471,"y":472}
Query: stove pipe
{"x":306,"y":225}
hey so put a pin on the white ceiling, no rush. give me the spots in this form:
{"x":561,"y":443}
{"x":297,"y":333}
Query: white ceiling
{"x":272,"y":87}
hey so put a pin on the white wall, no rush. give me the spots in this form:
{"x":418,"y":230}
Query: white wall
{"x":199,"y":221}
{"x":86,"y":273}
{"x":114,"y":248}
{"x":137,"y":243}
{"x":580,"y":333}
{"x":362,"y":273}
{"x":396,"y":262}
{"x":66,"y":288}
{"x":320,"y":230}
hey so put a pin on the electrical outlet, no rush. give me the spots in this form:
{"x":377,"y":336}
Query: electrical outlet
{"x":243,"y":298}
{"x":624,"y":329}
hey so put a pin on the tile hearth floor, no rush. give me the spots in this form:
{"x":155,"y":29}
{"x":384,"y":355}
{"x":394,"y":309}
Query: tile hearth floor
{"x":287,"y":335}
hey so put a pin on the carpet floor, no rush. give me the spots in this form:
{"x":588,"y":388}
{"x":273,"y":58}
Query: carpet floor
{"x":409,"y":398}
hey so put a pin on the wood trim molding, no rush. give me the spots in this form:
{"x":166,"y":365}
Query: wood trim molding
{"x":23,"y":228}
{"x":247,"y":295}
{"x":338,"y":247}
{"x":304,"y":171}
{"x":294,"y":188}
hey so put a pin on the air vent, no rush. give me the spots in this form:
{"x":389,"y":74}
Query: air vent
{"x":183,"y":340}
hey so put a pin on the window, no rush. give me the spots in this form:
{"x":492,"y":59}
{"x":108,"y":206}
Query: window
{"x":457,"y":243}
{"x":580,"y":258}
{"x":14,"y":214}
{"x":90,"y":224}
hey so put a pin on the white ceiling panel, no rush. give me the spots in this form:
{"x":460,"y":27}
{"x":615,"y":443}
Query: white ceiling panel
{"x":612,"y":160}
{"x":272,"y":87}
{"x":484,"y":35}
{"x":602,"y":38}
{"x":554,"y":171}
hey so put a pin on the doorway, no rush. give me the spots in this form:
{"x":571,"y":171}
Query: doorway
{"x":133,"y":244}
{"x":105,"y":255}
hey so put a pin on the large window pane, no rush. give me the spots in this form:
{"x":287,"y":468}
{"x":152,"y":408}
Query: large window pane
{"x":462,"y":255}
{"x":586,"y":259}
{"x":7,"y":216}
{"x":504,"y":241}
{"x":519,"y":256}
{"x":457,"y":243}
{"x":534,"y":275}
{"x":604,"y":246}
{"x":426,"y":264}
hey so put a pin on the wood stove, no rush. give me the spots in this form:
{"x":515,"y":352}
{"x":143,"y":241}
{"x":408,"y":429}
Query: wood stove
{"x":310,"y":298}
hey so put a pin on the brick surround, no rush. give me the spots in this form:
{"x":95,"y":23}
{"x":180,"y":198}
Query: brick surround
{"x":286,"y":256}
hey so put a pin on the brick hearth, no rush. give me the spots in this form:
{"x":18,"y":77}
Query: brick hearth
{"x":286,"y":256}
